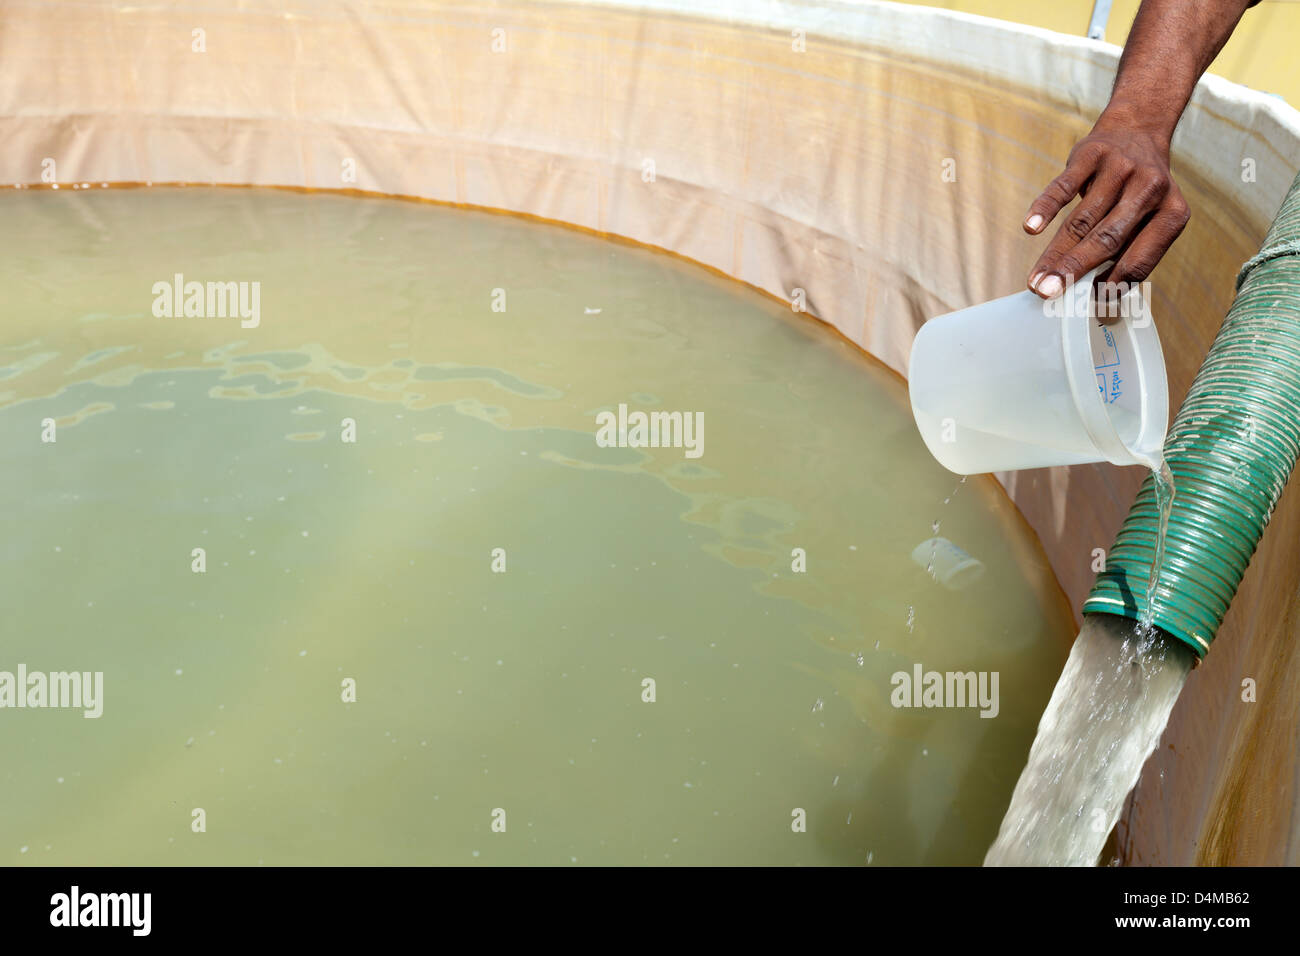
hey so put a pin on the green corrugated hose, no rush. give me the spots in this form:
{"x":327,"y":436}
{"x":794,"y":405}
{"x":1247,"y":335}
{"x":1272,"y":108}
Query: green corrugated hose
{"x":1231,"y":449}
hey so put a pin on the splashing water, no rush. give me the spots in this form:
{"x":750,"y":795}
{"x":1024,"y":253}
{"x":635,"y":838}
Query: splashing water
{"x":1104,"y":719}
{"x":1163,"y":480}
{"x":952,"y":494}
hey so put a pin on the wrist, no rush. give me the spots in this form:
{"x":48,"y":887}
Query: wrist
{"x":1147,"y":120}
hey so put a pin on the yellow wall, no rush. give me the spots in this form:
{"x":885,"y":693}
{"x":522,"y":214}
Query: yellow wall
{"x":1261,"y":54}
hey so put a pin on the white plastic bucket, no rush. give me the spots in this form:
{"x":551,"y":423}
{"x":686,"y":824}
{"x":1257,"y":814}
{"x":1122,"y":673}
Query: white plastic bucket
{"x":1022,"y":383}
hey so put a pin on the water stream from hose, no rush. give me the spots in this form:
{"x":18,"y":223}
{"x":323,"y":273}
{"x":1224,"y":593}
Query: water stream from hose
{"x":1105,"y":718}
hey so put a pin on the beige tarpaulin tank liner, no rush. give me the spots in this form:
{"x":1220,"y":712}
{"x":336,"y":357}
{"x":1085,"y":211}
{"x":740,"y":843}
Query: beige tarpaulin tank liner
{"x":878,"y":157}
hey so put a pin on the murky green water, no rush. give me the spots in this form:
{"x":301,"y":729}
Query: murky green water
{"x":373,"y":561}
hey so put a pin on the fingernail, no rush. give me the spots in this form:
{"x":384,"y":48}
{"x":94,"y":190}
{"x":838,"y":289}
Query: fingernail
{"x":1036,"y":278}
{"x":1034,"y":223}
{"x":1050,"y":287}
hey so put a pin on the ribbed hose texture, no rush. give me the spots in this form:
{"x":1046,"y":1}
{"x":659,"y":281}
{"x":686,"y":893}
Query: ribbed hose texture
{"x":1231,"y":449}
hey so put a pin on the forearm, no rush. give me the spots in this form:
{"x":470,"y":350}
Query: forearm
{"x":1130,"y":209}
{"x":1171,"y":44}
